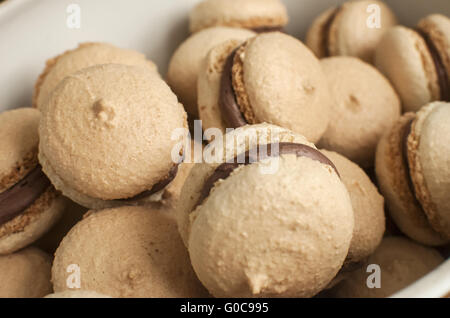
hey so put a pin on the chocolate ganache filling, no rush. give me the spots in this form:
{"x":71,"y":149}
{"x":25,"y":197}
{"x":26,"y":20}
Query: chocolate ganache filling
{"x":441,"y":71}
{"x":22,"y":195}
{"x":228,"y":104}
{"x":225,"y":169}
{"x":156,"y":187}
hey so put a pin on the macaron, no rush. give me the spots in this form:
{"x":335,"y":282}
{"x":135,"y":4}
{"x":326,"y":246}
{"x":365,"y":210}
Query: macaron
{"x":417,"y":61}
{"x":276,"y":225}
{"x":413,"y":171}
{"x":25,"y":274}
{"x":401,"y":262}
{"x":105,"y":136}
{"x":185,"y":62}
{"x":365,"y":104}
{"x":257,"y":15}
{"x":271,"y":78}
{"x":85,"y":55}
{"x":172,"y":191}
{"x":351,"y":29}
{"x":127,"y":252}
{"x":368,"y":209}
{"x":29,"y":204}
{"x":77,"y":294}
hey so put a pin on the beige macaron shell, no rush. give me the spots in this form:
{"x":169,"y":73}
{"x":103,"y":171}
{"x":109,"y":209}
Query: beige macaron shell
{"x":209,"y":82}
{"x":85,"y":55}
{"x":19,"y":143}
{"x":117,"y":142}
{"x":401,"y":262}
{"x":25,"y":274}
{"x":33,"y":223}
{"x":364,"y":105}
{"x":368,"y":207}
{"x":403,"y":57}
{"x":77,"y":294}
{"x":350,"y":33}
{"x":19,"y":139}
{"x":315,"y":36}
{"x":437,"y":27}
{"x":235,"y":142}
{"x":289,"y":240}
{"x":238,"y":13}
{"x":185,"y":62}
{"x":137,"y":253}
{"x":392,"y":179}
{"x":429,"y":155}
{"x":285,"y":84}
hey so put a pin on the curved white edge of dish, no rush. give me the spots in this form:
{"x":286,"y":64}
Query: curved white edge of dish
{"x":433,"y":285}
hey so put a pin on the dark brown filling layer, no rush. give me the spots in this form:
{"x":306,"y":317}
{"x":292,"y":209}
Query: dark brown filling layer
{"x":265,"y":29}
{"x":156,"y":187}
{"x":228,"y":104}
{"x":19,"y":197}
{"x":441,"y":71}
{"x":251,"y":156}
{"x":327,"y":32}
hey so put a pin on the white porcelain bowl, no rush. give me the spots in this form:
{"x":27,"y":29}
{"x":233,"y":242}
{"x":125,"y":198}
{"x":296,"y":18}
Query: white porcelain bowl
{"x":32,"y":31}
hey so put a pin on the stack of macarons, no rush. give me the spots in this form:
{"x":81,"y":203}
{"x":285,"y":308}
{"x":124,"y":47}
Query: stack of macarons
{"x":308,"y":152}
{"x":98,"y":136}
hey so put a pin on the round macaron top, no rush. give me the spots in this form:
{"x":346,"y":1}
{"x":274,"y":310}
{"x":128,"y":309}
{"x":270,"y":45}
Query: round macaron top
{"x":366,"y":105}
{"x":185,"y":62}
{"x":137,"y":253}
{"x":85,"y":55}
{"x":25,"y":274}
{"x":250,"y":14}
{"x":106,"y":131}
{"x":368,"y":208}
{"x":401,"y":262}
{"x":345,"y":30}
{"x":18,"y":144}
{"x":277,"y":79}
{"x":429,"y":161}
